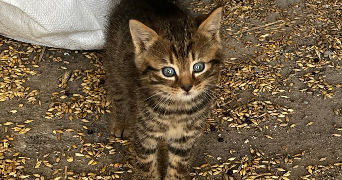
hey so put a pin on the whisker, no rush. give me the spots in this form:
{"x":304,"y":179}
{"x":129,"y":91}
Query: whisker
{"x":153,"y":94}
{"x":162,"y":102}
{"x":214,"y":85}
{"x":208,"y":94}
{"x":157,"y":104}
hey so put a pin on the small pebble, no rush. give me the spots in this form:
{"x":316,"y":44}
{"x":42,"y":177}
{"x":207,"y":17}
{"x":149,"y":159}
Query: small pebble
{"x":328,"y":53}
{"x":212,"y":128}
{"x":230,"y":172}
{"x":249,"y":121}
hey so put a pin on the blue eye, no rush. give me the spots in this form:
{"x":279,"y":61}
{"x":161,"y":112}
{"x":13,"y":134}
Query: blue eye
{"x":198,"y":67}
{"x":168,"y":71}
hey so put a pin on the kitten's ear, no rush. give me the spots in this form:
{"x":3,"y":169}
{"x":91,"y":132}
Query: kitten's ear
{"x":142,"y":36}
{"x":211,"y":26}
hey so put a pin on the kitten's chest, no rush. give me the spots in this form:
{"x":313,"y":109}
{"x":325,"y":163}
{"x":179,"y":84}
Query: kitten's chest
{"x":175,"y":132}
{"x":178,"y":131}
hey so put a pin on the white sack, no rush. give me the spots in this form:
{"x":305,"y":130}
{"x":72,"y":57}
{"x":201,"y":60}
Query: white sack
{"x":70,"y":24}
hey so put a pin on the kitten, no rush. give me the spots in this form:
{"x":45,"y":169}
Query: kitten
{"x":162,"y":67}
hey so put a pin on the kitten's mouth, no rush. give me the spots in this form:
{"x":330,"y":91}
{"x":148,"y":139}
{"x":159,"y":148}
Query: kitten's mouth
{"x":187,"y":96}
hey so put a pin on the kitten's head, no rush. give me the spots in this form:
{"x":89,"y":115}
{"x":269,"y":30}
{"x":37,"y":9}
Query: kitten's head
{"x":180,"y":68}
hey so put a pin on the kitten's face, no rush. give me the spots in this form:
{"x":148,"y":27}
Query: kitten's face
{"x":180,"y":70}
{"x":182,"y":75}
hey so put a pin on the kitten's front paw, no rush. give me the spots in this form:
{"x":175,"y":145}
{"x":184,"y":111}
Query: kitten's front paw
{"x":119,"y":131}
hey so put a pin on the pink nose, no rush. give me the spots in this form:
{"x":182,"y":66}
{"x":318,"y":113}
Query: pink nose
{"x":187,"y":87}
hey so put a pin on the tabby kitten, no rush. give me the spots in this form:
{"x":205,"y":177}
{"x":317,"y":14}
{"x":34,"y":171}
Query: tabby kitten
{"x":162,"y":67}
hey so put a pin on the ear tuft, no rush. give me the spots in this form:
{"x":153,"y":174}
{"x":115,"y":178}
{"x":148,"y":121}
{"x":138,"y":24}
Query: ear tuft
{"x":211,"y":26}
{"x":142,"y":36}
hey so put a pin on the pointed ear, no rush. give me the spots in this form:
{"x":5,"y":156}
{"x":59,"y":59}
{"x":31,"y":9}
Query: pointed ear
{"x":211,"y":26}
{"x":142,"y":36}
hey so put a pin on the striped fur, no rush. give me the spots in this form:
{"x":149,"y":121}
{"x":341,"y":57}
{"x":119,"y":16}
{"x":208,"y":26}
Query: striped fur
{"x":144,"y":37}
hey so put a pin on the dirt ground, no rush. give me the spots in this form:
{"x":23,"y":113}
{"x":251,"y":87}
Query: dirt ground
{"x":278,"y":113}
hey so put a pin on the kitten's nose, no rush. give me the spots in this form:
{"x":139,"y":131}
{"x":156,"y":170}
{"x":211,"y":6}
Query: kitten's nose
{"x":187,"y":87}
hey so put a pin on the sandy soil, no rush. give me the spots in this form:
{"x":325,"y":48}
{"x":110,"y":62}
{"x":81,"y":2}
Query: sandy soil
{"x":277,"y":114}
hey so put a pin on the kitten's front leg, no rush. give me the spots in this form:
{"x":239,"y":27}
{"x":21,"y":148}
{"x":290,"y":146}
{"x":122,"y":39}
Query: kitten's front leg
{"x":146,"y":168}
{"x":179,"y":158}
